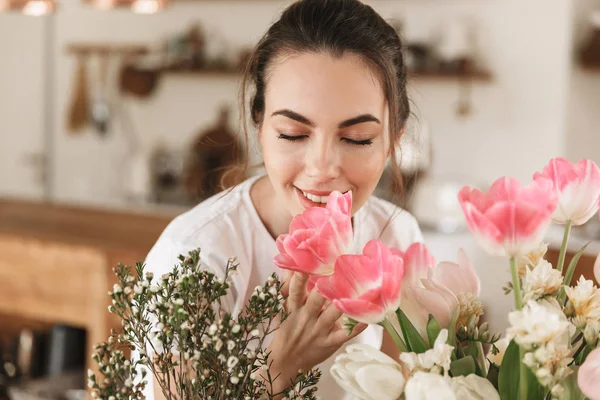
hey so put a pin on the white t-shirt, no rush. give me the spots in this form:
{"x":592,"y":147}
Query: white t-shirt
{"x":228,"y":225}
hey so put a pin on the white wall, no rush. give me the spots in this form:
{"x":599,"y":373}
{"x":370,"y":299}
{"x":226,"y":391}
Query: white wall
{"x":518,"y":123}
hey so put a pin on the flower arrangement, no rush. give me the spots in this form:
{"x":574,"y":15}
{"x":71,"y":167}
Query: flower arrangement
{"x":194,"y":348}
{"x":432,"y":312}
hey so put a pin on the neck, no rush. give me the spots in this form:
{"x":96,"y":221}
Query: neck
{"x":273,"y":215}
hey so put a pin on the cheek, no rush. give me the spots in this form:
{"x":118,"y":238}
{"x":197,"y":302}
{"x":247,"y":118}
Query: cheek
{"x":368,"y":170}
{"x":281,"y":163}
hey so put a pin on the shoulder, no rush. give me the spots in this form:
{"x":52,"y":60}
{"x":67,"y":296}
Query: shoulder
{"x":397,"y":226}
{"x":208,"y":226}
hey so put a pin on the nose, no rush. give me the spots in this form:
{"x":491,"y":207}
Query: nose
{"x":322,"y":160}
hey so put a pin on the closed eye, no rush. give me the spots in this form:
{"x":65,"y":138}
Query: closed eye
{"x":291,"y":138}
{"x":365,"y":142}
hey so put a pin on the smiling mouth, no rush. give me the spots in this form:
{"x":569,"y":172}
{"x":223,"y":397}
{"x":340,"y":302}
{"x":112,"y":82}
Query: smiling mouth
{"x":316,"y":198}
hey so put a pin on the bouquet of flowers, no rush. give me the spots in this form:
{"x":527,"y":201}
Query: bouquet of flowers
{"x":432,"y":312}
{"x":193,"y":347}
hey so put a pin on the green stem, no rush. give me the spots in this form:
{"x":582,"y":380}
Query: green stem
{"x":387,"y":324}
{"x":523,"y":386}
{"x":563,"y":247}
{"x":516,"y":282}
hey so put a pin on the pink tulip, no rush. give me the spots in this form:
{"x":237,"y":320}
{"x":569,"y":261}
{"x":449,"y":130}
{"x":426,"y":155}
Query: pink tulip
{"x":510,"y":219}
{"x":365,"y":287}
{"x":317,"y":237}
{"x":417,"y":261}
{"x":577,"y":187}
{"x":589,"y":374}
{"x":437,"y":292}
{"x":458,"y":277}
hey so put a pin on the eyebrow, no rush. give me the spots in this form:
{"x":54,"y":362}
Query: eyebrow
{"x":345,"y":124}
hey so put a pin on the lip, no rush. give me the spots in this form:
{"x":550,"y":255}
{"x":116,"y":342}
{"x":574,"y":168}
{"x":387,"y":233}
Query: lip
{"x":319,"y":192}
{"x":307,"y":203}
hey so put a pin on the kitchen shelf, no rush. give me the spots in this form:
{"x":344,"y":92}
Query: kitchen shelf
{"x":476,"y":76}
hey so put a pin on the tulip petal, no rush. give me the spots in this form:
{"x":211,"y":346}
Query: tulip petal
{"x":381,"y":381}
{"x":340,"y":203}
{"x":347,"y":382}
{"x":587,"y":376}
{"x":361,"y":310}
{"x":417,"y":261}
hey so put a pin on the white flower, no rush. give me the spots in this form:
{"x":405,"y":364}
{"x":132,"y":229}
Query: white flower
{"x":433,"y":359}
{"x":501,"y":345}
{"x":527,"y":261}
{"x":591,"y":332}
{"x":368,"y":374}
{"x":585,"y":298}
{"x":428,"y":386}
{"x":473,"y":387}
{"x":232,"y":362}
{"x":538,"y":323}
{"x":117,"y":288}
{"x":541,"y":281}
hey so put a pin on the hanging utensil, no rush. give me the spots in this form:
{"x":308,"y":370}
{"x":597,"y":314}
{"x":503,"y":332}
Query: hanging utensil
{"x":101,"y":113}
{"x":78,"y":111}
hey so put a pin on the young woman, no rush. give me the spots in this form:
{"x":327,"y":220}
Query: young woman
{"x":329,"y":104}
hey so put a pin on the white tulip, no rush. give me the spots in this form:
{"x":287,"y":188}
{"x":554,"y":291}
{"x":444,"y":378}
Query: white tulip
{"x":473,"y":387}
{"x":428,"y":386}
{"x":368,"y":374}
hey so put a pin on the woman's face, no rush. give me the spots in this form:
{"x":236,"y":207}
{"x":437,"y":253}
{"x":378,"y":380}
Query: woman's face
{"x":325,"y":128}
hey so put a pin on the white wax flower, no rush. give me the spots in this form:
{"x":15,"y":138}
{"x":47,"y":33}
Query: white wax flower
{"x":541,"y":281}
{"x":585,"y":298}
{"x":538,"y":323}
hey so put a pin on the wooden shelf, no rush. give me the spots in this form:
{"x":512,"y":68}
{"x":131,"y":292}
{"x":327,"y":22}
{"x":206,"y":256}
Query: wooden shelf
{"x":477,"y":76}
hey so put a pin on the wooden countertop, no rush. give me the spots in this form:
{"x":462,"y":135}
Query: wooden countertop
{"x":101,"y":228}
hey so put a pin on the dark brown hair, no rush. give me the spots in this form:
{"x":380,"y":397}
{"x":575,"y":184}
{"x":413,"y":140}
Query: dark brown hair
{"x":336,"y":27}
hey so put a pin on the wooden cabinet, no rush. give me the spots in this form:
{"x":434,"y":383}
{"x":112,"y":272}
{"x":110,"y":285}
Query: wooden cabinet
{"x":585,"y":266}
{"x":56,"y":263}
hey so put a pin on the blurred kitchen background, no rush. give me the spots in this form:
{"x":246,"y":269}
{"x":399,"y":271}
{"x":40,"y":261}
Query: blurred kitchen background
{"x":117,"y":115}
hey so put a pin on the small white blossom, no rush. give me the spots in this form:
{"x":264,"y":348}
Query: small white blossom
{"x":235,"y":380}
{"x":236,"y":328}
{"x":178,"y":301}
{"x":538,"y":323}
{"x":255,"y":333}
{"x":117,"y":288}
{"x":149,"y":275}
{"x":541,"y":281}
{"x":185,"y":325}
{"x":230,"y":345}
{"x":218,"y":344}
{"x":212,"y":330}
{"x":232,"y":362}
{"x":128,"y":382}
{"x":433,"y":360}
{"x":585,"y":298}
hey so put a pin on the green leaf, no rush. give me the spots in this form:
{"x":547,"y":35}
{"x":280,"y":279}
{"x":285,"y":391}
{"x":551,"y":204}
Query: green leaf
{"x":534,"y":389}
{"x":573,"y":264}
{"x":414,"y":341}
{"x":572,"y":391}
{"x":473,"y":351}
{"x":452,"y":327}
{"x":508,"y":378}
{"x":433,"y":330}
{"x":463,"y":367}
